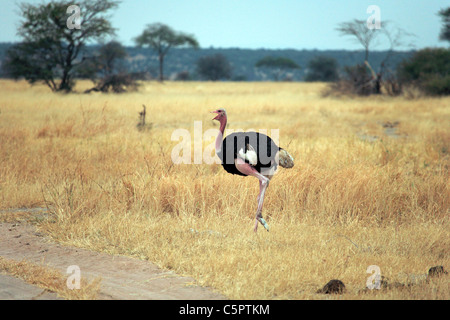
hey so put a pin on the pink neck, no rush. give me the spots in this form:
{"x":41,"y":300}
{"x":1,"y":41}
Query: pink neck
{"x":223,"y":123}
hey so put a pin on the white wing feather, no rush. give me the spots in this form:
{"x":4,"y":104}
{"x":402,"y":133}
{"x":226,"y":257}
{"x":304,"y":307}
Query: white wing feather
{"x":250,"y":155}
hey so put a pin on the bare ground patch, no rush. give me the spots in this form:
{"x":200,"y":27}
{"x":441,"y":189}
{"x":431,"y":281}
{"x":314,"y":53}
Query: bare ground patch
{"x":121,"y":277}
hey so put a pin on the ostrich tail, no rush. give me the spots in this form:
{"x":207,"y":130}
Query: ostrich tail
{"x":285,"y":159}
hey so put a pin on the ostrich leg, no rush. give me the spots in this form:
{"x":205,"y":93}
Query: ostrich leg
{"x":263,"y":184}
{"x":247,"y":169}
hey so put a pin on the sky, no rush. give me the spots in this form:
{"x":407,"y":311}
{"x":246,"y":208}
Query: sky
{"x":256,"y":24}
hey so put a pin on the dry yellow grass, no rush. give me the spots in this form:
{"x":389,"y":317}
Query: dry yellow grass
{"x":351,"y":200}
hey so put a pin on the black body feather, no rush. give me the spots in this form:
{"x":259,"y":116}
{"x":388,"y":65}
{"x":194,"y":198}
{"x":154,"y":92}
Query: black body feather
{"x":264,"y":146}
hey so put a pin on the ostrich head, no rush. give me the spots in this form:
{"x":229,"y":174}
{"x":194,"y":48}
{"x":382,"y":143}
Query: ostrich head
{"x":221,"y":114}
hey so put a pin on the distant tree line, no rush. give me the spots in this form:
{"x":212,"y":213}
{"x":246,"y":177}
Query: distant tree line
{"x":182,"y":63}
{"x":53,"y":53}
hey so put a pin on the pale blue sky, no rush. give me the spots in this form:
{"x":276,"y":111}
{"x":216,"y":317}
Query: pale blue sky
{"x":271,"y":24}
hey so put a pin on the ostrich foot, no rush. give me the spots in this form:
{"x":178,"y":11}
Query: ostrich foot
{"x":263,"y":222}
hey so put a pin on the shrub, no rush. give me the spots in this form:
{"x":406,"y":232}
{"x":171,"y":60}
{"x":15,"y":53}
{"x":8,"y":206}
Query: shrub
{"x":428,"y":70}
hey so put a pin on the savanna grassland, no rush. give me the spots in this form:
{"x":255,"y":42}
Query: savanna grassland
{"x":370,"y":185}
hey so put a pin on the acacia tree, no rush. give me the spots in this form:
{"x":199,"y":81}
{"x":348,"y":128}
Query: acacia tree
{"x":107,"y":70}
{"x":363,"y":77}
{"x":105,"y":61}
{"x":161,"y":38}
{"x":109,"y":56}
{"x":50,"y":49}
{"x":361,"y":33}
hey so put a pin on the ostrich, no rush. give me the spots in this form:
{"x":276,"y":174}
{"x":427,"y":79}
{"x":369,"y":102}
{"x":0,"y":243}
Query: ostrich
{"x":250,"y":154}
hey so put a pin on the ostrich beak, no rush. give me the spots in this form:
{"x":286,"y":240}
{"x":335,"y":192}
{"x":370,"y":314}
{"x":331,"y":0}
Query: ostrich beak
{"x":216,"y":117}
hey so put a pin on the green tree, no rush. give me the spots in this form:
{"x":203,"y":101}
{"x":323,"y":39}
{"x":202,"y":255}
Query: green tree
{"x":105,"y":61}
{"x":322,"y":68}
{"x":50,"y":49}
{"x":445,"y":32}
{"x":109,"y":57}
{"x":107,"y":71}
{"x":277,"y":64}
{"x":161,"y":38}
{"x":214,"y":67}
{"x":428,"y":70}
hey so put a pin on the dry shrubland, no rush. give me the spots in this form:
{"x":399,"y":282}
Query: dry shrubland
{"x":370,"y":185}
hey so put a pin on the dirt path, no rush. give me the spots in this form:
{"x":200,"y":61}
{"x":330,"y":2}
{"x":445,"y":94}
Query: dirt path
{"x":122,"y":277}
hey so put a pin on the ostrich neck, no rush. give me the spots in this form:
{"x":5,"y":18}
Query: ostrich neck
{"x":223,"y":123}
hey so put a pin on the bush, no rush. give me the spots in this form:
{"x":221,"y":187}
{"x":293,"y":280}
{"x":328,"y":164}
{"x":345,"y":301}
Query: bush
{"x":356,"y":80}
{"x":183,"y":76}
{"x":215,"y":67}
{"x":322,"y":69}
{"x":428,"y":70}
{"x":117,"y":83}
